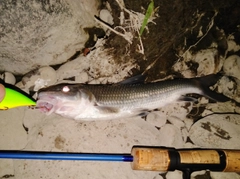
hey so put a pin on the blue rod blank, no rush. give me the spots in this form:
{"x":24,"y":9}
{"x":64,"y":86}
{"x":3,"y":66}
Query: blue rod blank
{"x":65,"y":156}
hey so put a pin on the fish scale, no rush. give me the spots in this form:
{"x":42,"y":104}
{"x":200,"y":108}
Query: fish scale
{"x":139,"y":94}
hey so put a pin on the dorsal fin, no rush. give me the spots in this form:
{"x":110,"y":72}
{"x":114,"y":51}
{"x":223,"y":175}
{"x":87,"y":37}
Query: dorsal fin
{"x":133,"y":80}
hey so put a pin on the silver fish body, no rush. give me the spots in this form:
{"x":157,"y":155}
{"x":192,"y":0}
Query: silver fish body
{"x":99,"y":102}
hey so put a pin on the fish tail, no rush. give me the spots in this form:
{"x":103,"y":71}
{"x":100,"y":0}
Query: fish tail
{"x":205,"y":82}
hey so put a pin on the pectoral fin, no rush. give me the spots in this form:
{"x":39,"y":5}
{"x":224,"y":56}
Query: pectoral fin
{"x":143,"y":113}
{"x":140,"y":112}
{"x":107,"y":109}
{"x":188,"y":99}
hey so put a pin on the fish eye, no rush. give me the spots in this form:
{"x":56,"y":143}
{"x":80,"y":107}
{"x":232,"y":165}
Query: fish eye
{"x":65,"y":89}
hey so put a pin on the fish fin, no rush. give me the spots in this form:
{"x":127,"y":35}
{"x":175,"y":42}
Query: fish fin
{"x":86,"y":94}
{"x":209,"y":80}
{"x":107,"y":109}
{"x":218,"y":97}
{"x":143,"y":113}
{"x":187,"y":99}
{"x":140,"y":112}
{"x":205,"y":82}
{"x":133,"y":80}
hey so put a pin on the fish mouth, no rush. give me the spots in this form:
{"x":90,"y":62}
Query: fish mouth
{"x":46,"y":104}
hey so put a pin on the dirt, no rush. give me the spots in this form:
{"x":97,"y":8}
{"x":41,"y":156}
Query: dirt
{"x":177,"y":28}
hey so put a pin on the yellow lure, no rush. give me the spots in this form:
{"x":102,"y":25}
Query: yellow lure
{"x":15,"y":99}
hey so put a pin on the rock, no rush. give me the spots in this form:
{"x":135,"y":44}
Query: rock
{"x":188,"y":123}
{"x":158,"y":177}
{"x":185,"y":134}
{"x":200,"y":174}
{"x":232,"y":45}
{"x":72,"y":68}
{"x":177,"y":122}
{"x":55,"y":133}
{"x":190,"y":145}
{"x":99,"y":65}
{"x":231,"y":66}
{"x":227,"y":175}
{"x":41,"y":33}
{"x":40,"y":78}
{"x":106,"y":16}
{"x":81,"y":78}
{"x":227,"y":107}
{"x":204,"y":62}
{"x":7,"y":168}
{"x":9,"y":78}
{"x":14,"y":137}
{"x":175,"y":174}
{"x":171,"y":136}
{"x":230,"y":87}
{"x":217,"y":131}
{"x":179,"y":110}
{"x":208,"y":61}
{"x":156,"y":118}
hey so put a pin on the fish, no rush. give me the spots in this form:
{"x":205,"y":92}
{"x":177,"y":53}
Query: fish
{"x":124,"y":99}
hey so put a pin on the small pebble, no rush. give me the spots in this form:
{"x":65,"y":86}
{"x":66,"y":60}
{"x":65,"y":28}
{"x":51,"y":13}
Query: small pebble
{"x":180,"y":109}
{"x":188,"y":123}
{"x":227,"y":175}
{"x":190,"y":145}
{"x":106,"y":16}
{"x":40,"y":78}
{"x":176,"y":174}
{"x":171,"y":136}
{"x":198,"y":174}
{"x":208,"y":62}
{"x":82,"y":78}
{"x":73,"y":68}
{"x":9,"y":78}
{"x":176,"y":121}
{"x":158,"y":177}
{"x":231,"y":66}
{"x":156,"y":119}
{"x":185,"y":134}
{"x":232,"y":45}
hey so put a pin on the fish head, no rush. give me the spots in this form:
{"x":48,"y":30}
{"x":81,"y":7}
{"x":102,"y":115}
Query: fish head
{"x":63,"y":99}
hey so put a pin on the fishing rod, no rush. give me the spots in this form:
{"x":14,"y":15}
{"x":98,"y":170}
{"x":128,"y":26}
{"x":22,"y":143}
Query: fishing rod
{"x":149,"y":158}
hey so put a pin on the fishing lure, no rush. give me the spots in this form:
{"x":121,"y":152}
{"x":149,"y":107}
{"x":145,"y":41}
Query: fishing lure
{"x":14,"y":98}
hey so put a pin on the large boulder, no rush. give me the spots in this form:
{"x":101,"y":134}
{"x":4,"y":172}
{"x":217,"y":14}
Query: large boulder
{"x":39,"y":33}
